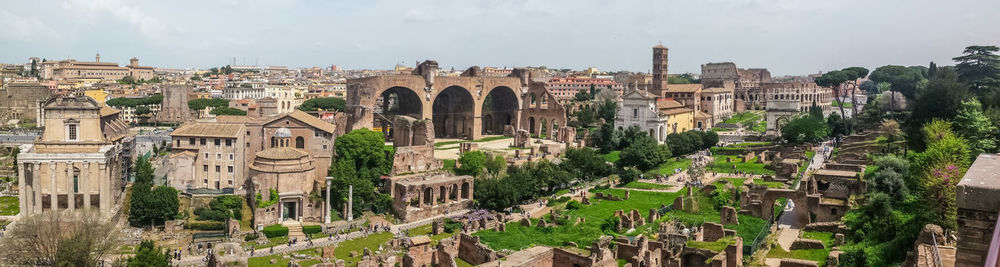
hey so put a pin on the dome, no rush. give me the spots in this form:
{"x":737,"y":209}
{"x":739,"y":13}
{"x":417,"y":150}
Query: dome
{"x":283,"y":133}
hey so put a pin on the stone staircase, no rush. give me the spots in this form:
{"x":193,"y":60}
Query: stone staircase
{"x":294,"y":230}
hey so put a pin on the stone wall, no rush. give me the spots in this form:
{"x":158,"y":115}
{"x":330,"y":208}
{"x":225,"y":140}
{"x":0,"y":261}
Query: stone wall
{"x":474,"y":252}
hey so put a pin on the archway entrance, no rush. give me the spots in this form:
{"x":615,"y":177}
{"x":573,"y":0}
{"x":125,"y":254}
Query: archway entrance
{"x":396,"y":101}
{"x":452,"y":113}
{"x":499,"y":109}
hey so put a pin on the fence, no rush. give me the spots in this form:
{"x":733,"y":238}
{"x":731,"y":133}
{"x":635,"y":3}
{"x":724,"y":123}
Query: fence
{"x":757,"y":241}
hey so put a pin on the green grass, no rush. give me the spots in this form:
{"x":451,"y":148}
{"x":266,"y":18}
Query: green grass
{"x":743,"y":118}
{"x":448,"y":165}
{"x":518,"y":237}
{"x":459,"y":262}
{"x":760,"y":126}
{"x":612,"y":156}
{"x":420,"y":230}
{"x":641,"y":185}
{"x":343,"y":250}
{"x":835,"y":103}
{"x":9,"y":206}
{"x":715,"y":246}
{"x":668,"y":168}
{"x":826,"y":237}
{"x":749,"y":227}
{"x":752,"y":166}
{"x":817,"y":255}
{"x":274,"y":241}
{"x":561,"y":192}
{"x":484,"y":139}
{"x":281,"y":261}
{"x":769,"y":184}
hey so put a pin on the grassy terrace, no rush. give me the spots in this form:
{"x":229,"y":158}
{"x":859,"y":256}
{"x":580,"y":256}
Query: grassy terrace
{"x":426,"y":230}
{"x":9,"y":206}
{"x":668,"y":168}
{"x":518,"y":237}
{"x":751,"y":166}
{"x":641,"y":185}
{"x":484,"y":139}
{"x":760,"y":126}
{"x":744,"y":118}
{"x":343,"y":250}
{"x":612,"y":156}
{"x":817,"y":255}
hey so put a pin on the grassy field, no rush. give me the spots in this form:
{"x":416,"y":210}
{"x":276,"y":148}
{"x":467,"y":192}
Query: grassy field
{"x":845,"y":104}
{"x":743,"y":118}
{"x":612,"y":156}
{"x":752,"y":166}
{"x":9,"y":206}
{"x":641,"y":185}
{"x":281,"y":261}
{"x":716,"y":246}
{"x":518,"y":237}
{"x":426,"y":230}
{"x":760,"y":126}
{"x":668,"y":168}
{"x":343,"y":250}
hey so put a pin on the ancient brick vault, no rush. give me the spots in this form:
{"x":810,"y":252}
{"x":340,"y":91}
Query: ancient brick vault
{"x":468,"y":106}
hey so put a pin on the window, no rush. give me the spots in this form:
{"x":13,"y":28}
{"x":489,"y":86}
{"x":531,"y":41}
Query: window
{"x":203,"y":141}
{"x":204,"y":182}
{"x":218,"y":169}
{"x":324,"y":147}
{"x":206,"y":155}
{"x":191,"y":141}
{"x":635,"y":112}
{"x":71,"y":129}
{"x":218,"y":155}
{"x":300,"y":142}
{"x":230,"y":182}
{"x":204,"y":168}
{"x":318,"y":134}
{"x":218,"y":141}
{"x":230,"y":156}
{"x":230,"y":168}
{"x":229,"y":142}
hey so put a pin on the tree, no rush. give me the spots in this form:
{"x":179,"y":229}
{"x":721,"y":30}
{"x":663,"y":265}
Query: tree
{"x":585,"y":116}
{"x":940,"y":167}
{"x":804,"y":129}
{"x":644,"y":154}
{"x":326,"y":103}
{"x":941,"y":98}
{"x":128,"y":79}
{"x":708,"y":138}
{"x":607,"y":111}
{"x":150,"y":206}
{"x":202,"y":103}
{"x":472,"y":163}
{"x":51,"y":238}
{"x":901,"y":79}
{"x":979,"y":66}
{"x":495,"y":166}
{"x":142,"y":110}
{"x":149,"y":255}
{"x":870,"y":88}
{"x":834,"y":80}
{"x":607,"y":138}
{"x":631,"y":135}
{"x":582,"y":95}
{"x":586,"y":164}
{"x":853,"y":74}
{"x":975,"y":127}
{"x":361,"y":159}
{"x":228,"y":111}
{"x":837,"y":125}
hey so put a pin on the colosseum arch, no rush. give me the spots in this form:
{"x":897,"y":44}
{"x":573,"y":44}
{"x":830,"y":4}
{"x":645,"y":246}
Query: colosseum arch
{"x":499,"y":108}
{"x":453,"y":113}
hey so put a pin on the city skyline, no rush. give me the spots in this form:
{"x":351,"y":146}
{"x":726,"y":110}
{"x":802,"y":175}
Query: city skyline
{"x":787,"y":37}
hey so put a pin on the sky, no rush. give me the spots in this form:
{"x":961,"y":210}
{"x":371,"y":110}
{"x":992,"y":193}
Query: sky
{"x":788,"y":37}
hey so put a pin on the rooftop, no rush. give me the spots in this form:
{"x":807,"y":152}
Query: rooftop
{"x":205,"y":129}
{"x":826,"y":172}
{"x":282,"y":153}
{"x":683,"y":88}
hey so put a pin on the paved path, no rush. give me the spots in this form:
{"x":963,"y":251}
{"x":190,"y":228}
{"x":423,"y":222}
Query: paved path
{"x":788,"y":224}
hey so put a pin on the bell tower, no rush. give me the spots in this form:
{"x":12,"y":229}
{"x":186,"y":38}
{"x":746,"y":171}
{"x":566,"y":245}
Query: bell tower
{"x":659,"y":71}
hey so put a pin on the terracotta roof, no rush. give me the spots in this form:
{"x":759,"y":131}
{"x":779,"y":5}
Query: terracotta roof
{"x":717,"y":90}
{"x":675,"y":111}
{"x":683,"y":88}
{"x":699,"y":114}
{"x":207,"y":129}
{"x":666,"y":103}
{"x":233,"y":119}
{"x":311,"y":121}
{"x":107,"y":111}
{"x":282,"y":153}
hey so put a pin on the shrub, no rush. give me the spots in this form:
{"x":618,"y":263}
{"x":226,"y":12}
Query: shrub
{"x":275,"y":230}
{"x":312,"y":229}
{"x":573,"y":205}
{"x":451,"y":225}
{"x":206,"y":226}
{"x":250,"y":237}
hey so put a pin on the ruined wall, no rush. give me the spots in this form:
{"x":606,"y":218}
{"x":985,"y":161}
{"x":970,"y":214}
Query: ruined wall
{"x":174,"y":107}
{"x":474,"y":252}
{"x":20,"y":101}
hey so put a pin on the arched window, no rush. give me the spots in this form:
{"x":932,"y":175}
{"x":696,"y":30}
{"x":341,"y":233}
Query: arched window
{"x":300,"y":142}
{"x":272,"y":141}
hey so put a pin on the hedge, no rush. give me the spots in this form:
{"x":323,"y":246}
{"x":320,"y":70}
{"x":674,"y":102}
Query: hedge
{"x":275,"y":230}
{"x":207,"y":226}
{"x":312,"y":229}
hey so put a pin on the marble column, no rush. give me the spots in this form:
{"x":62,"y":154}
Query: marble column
{"x":350,"y":203}
{"x":85,"y":184}
{"x":104,"y":190}
{"x":70,"y":197}
{"x":326,"y":205}
{"x":36,"y":188}
{"x":53,"y":193}
{"x":22,"y":194}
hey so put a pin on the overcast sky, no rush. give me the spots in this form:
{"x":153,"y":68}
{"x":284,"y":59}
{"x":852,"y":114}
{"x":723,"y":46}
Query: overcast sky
{"x":785,"y":36}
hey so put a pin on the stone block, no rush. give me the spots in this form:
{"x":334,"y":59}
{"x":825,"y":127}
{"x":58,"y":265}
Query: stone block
{"x":678,"y":203}
{"x":328,"y":252}
{"x":627,"y":193}
{"x":838,"y":239}
{"x":712,"y":232}
{"x":728,"y":215}
{"x":786,"y":262}
{"x":525,"y":222}
{"x":807,"y":244}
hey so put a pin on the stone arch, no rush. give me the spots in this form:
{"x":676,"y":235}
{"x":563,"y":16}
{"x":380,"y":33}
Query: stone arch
{"x":396,"y":101}
{"x":534,"y":101}
{"x":428,"y":196}
{"x":531,"y":125}
{"x":499,"y":108}
{"x":300,"y":142}
{"x":452,"y":113}
{"x":543,"y":129}
{"x":465,"y":190}
{"x":442,"y":195}
{"x":454,"y":192}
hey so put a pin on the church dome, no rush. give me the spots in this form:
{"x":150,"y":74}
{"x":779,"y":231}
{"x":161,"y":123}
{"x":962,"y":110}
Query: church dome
{"x":283,"y":133}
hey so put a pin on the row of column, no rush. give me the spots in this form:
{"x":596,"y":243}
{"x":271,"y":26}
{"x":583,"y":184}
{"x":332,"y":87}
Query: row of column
{"x":30,"y":195}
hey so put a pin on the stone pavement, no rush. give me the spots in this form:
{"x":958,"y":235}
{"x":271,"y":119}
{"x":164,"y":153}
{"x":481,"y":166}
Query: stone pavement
{"x":787,"y":224}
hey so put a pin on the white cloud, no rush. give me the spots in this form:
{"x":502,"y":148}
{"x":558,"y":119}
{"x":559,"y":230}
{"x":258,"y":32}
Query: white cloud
{"x":25,"y":29}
